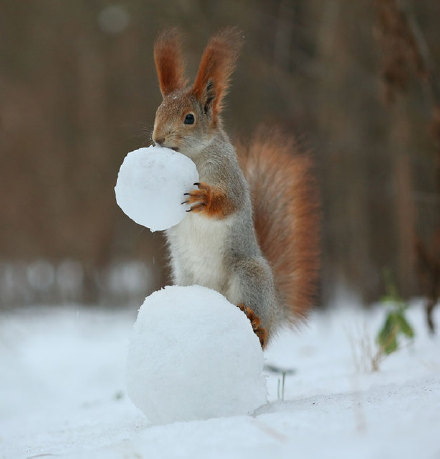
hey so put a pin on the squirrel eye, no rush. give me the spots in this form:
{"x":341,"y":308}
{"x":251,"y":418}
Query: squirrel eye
{"x":189,"y":119}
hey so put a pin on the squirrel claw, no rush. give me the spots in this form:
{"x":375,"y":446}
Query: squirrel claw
{"x":197,"y":207}
{"x":255,"y":321}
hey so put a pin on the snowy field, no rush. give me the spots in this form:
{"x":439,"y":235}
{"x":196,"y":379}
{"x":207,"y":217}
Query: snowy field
{"x":62,"y":394}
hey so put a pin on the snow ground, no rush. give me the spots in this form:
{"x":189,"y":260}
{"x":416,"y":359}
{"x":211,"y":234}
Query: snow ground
{"x":62,"y":394}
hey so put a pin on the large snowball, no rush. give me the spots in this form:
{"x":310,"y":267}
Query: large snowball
{"x":150,"y":186}
{"x":193,"y":355}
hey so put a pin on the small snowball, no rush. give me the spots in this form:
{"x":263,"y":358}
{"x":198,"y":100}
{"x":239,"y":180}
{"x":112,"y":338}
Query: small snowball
{"x":151,"y":185}
{"x":193,"y":355}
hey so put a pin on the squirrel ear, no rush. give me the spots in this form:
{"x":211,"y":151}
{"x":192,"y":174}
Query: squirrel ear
{"x":169,"y":61}
{"x":216,"y":66}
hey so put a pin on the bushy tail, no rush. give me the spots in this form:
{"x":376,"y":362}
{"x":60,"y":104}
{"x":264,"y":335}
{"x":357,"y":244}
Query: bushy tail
{"x":286,"y":216}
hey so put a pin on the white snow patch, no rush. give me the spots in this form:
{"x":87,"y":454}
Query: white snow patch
{"x":151,"y":185}
{"x":193,"y":355}
{"x":62,"y":394}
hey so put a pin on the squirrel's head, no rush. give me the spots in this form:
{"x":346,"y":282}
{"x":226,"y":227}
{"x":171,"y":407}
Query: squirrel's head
{"x":189,"y":116}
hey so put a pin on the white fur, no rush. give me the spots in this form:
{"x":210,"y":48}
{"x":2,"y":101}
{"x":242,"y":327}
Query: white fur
{"x":235,"y":294}
{"x":197,"y":250}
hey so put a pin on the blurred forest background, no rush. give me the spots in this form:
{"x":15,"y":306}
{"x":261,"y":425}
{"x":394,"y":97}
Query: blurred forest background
{"x":355,"y":81}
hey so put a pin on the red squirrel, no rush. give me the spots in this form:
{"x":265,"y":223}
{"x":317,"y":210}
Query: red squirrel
{"x":252,"y":227}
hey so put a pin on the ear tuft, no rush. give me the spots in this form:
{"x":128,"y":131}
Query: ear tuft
{"x":169,"y":62}
{"x":216,"y":66}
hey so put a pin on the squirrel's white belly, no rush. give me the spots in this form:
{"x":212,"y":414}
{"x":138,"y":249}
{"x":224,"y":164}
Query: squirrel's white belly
{"x":197,"y":250}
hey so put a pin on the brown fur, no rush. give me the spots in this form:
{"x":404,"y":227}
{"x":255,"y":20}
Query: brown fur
{"x":286,"y":216}
{"x":169,"y":62}
{"x":216,"y":66}
{"x":256,"y":324}
{"x":212,"y":201}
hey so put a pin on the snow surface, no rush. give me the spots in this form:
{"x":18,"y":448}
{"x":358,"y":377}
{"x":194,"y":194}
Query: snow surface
{"x":151,"y":185}
{"x":193,"y":355}
{"x":62,"y":393}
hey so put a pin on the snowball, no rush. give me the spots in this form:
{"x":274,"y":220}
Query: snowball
{"x":193,"y":355}
{"x":150,"y":186}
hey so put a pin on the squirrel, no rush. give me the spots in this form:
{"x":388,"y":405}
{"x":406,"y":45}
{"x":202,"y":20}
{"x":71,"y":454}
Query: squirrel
{"x":252,"y":227}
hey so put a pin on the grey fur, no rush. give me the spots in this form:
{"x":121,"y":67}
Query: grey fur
{"x":244,"y":275}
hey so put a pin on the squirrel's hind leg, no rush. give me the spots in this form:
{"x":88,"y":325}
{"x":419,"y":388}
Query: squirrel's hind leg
{"x":256,"y":324}
{"x":251,"y":287}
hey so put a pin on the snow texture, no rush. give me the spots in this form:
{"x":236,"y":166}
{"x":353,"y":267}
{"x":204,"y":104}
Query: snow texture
{"x":193,"y":355}
{"x":151,"y":185}
{"x":62,"y":393}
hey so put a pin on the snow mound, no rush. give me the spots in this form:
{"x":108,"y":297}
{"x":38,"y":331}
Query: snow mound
{"x":151,"y":185}
{"x":193,"y":355}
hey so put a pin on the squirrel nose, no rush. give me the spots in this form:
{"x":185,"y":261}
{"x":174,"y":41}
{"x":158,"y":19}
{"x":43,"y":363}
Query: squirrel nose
{"x":159,"y":141}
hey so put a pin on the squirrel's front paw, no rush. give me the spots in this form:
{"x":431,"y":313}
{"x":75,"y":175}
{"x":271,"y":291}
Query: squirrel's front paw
{"x":210,"y":200}
{"x":200,"y":199}
{"x":260,"y":331}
